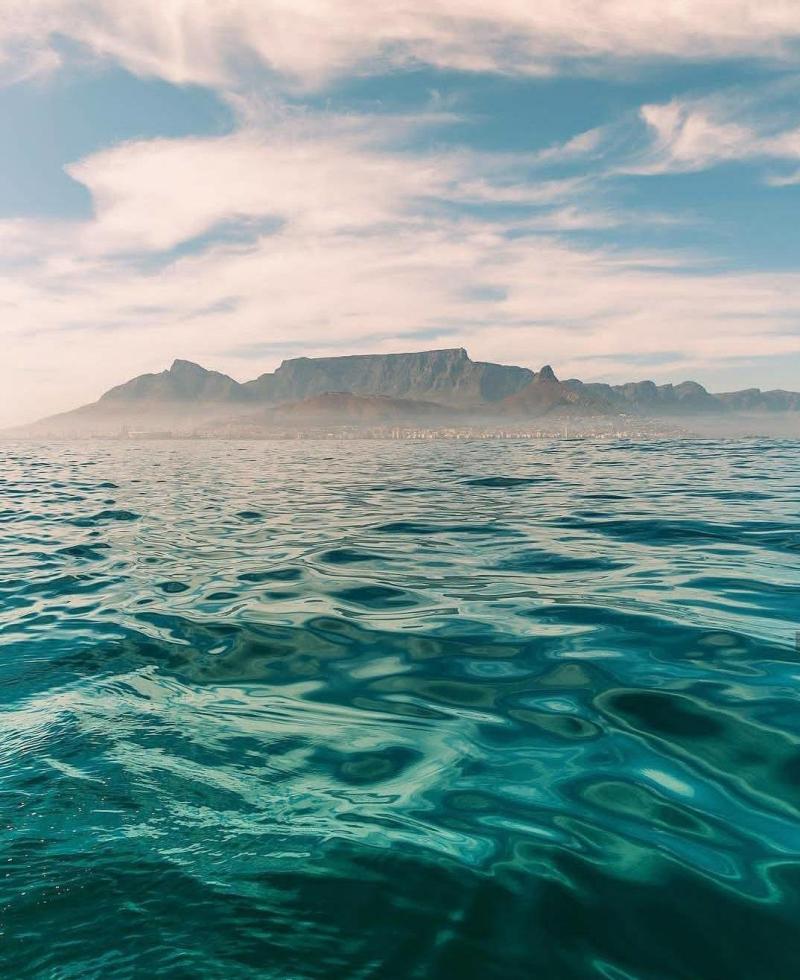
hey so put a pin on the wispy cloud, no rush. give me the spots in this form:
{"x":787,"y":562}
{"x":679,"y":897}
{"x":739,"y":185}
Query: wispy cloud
{"x":695,"y":134}
{"x":783,"y":180}
{"x":321,"y":231}
{"x":207,"y":42}
{"x":365,"y":250}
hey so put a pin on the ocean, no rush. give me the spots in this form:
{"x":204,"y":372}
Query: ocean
{"x":422,"y":709}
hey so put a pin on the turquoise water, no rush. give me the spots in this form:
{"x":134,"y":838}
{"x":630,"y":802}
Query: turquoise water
{"x":413,"y":710}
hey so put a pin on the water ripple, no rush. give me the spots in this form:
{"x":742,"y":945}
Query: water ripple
{"x":400,"y":710}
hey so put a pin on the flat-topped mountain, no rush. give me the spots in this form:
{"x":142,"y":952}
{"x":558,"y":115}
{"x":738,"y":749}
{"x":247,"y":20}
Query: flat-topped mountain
{"x":445,"y":376}
{"x":372,"y":389}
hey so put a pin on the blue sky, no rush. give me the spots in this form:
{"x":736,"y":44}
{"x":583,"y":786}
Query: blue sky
{"x":611,"y":187}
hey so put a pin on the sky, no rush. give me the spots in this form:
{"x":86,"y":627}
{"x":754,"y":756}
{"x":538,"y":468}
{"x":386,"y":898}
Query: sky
{"x":608,"y":186}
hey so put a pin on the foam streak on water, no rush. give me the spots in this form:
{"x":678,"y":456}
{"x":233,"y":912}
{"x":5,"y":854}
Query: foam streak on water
{"x":476,"y":709}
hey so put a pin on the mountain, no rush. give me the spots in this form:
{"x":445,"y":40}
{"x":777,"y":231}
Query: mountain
{"x":545,"y":394}
{"x":183,"y":382}
{"x":755,"y":400}
{"x":343,"y":408}
{"x":376,"y":389}
{"x":649,"y":399}
{"x":180,"y":399}
{"x":446,"y":377}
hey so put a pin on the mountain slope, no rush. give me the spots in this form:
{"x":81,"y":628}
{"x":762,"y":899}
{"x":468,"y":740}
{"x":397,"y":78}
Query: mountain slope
{"x":179,"y":399}
{"x":755,"y":400}
{"x":183,"y":382}
{"x":342,"y":407}
{"x":545,"y":394}
{"x":443,"y":376}
{"x":648,"y":398}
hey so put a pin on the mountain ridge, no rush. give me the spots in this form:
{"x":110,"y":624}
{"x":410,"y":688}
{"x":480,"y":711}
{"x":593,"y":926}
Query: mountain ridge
{"x":423,"y":385}
{"x":448,"y":372}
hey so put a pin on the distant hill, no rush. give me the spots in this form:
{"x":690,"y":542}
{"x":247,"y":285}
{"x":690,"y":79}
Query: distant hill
{"x":428,"y":387}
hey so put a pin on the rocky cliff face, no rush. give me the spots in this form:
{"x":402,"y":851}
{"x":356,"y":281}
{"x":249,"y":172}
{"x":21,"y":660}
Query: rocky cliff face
{"x":543,"y":394}
{"x":647,"y":398}
{"x":447,"y":377}
{"x":755,"y":400}
{"x":341,"y":407}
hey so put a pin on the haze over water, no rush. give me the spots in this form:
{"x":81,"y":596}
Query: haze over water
{"x":409,"y":709}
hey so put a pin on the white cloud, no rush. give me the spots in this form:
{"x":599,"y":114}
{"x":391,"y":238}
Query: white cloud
{"x":691,"y":139}
{"x":319,"y":173}
{"x":207,"y":42}
{"x":690,"y":135}
{"x":366,"y":253}
{"x":154,"y":195}
{"x":347,"y":242}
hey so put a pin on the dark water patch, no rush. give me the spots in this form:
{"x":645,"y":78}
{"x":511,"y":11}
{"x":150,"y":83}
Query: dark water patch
{"x":605,"y":496}
{"x":366,"y":768}
{"x":665,"y":532}
{"x":64,"y":585}
{"x":250,"y":515}
{"x":632,"y":801}
{"x":752,"y":758}
{"x":637,"y":633}
{"x":666,"y":714}
{"x":106,"y":517}
{"x":89,"y":552}
{"x":507,"y":482}
{"x":720,"y":584}
{"x":272,"y":575}
{"x":552,"y":562}
{"x":410,"y":490}
{"x":732,"y":495}
{"x":172,"y":588}
{"x":562,"y":726}
{"x":280,"y":923}
{"x":377,"y":597}
{"x":420,"y":529}
{"x":350,"y":556}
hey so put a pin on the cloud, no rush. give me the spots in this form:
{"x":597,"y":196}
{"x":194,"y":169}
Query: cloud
{"x":783,"y":180}
{"x":305,"y":232}
{"x":687,"y":138}
{"x":153,"y":195}
{"x":364,"y":247}
{"x":318,"y":173}
{"x":310,"y":41}
{"x":691,"y":135}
